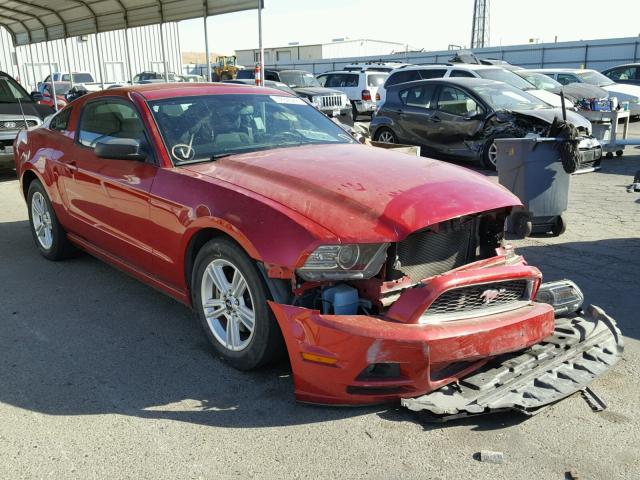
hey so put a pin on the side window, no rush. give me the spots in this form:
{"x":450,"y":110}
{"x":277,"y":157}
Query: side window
{"x":61,"y":121}
{"x":109,"y":119}
{"x":403,"y":77}
{"x":567,"y":78}
{"x":273,"y":76}
{"x":625,"y":73}
{"x":461,"y":73}
{"x":432,"y":73}
{"x":420,"y":97}
{"x":456,"y":102}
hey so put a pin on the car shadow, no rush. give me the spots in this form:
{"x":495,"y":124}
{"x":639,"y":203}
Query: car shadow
{"x":81,"y":338}
{"x":7,"y":175}
{"x":606,"y":271}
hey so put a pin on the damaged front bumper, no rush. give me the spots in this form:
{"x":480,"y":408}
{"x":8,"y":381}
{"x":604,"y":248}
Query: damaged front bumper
{"x":582,"y":348}
{"x":366,"y":359}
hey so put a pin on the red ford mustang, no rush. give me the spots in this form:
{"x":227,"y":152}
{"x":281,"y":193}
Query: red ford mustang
{"x":383,"y":276}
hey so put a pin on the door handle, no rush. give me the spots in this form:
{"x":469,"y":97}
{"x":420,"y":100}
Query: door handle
{"x":435,"y":119}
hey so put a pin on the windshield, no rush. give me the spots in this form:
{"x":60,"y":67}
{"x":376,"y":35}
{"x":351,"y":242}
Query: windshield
{"x":376,"y":79}
{"x":594,"y":78}
{"x":502,"y":75}
{"x":299,"y":78}
{"x":79,"y":78}
{"x":205,"y":127}
{"x":11,"y":91}
{"x":506,"y":97}
{"x":543,"y":82}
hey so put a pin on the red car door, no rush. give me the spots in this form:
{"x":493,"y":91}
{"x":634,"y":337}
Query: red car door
{"x":108,"y":199}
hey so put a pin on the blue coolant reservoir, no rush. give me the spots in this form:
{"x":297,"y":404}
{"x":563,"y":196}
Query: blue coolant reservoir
{"x":340,"y":300}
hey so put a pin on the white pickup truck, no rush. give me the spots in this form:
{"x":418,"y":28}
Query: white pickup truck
{"x":86,"y":79}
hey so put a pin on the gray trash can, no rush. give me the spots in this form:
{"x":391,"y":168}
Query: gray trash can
{"x":532,"y":169}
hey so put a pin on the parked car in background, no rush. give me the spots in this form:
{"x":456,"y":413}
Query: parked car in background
{"x":267,"y":83}
{"x":61,"y":88}
{"x":489,"y":72}
{"x":462,"y":117}
{"x":14,"y":102}
{"x":153,"y":77}
{"x":192,"y":78}
{"x":573,"y":91}
{"x":386,"y":67}
{"x":360,"y":86}
{"x":287,"y":237}
{"x":79,"y":78}
{"x":629,"y":73}
{"x":624,"y":93}
{"x":331,"y":102}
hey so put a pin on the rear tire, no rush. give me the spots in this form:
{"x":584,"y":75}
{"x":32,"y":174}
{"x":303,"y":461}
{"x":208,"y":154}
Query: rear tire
{"x":560,"y":227}
{"x":385,"y":135}
{"x":354,"y":111}
{"x":230,"y":300}
{"x":48,"y":234}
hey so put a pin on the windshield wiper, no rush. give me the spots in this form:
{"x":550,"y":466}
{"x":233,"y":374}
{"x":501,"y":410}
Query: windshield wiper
{"x":218,"y":156}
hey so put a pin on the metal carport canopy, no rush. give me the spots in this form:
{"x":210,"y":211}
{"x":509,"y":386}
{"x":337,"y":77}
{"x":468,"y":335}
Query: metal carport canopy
{"x":32,"y":21}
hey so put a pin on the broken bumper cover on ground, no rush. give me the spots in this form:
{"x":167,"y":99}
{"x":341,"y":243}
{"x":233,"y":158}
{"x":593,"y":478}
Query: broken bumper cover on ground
{"x":581,"y":349}
{"x":359,"y":359}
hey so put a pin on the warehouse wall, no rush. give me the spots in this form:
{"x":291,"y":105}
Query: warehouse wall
{"x":595,"y":54}
{"x":145,"y":51}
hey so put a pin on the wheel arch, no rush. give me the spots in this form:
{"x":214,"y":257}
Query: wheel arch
{"x":206,"y":232}
{"x":27,"y":178}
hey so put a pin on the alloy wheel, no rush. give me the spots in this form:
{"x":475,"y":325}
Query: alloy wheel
{"x":41,"y":218}
{"x":228,"y":305}
{"x":492,"y":154}
{"x":386,"y":137}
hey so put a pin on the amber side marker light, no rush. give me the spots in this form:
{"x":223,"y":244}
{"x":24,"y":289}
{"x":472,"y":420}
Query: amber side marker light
{"x":312,"y":357}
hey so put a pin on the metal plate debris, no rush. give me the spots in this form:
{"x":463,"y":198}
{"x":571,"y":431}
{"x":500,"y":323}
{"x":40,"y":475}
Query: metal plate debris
{"x":581,"y":349}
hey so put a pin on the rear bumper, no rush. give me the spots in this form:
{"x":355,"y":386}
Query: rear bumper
{"x":422,"y":357}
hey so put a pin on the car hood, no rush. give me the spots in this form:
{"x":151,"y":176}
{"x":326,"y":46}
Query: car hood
{"x":547,"y":97}
{"x":360,"y":193}
{"x":623,"y":91}
{"x":29,"y":108}
{"x":582,"y":90}
{"x":548,"y":114}
{"x":311,"y":91}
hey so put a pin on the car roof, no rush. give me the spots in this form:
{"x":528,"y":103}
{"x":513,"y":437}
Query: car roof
{"x":355,"y":72}
{"x":469,"y":82}
{"x":160,"y":91}
{"x":561,"y":70}
{"x":622,"y":66}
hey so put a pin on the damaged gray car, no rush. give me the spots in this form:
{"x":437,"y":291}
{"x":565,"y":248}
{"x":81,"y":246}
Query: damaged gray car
{"x":460,"y":118}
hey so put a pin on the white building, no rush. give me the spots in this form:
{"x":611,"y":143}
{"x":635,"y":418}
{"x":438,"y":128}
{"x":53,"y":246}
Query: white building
{"x":338,"y":48}
{"x":104,"y":55}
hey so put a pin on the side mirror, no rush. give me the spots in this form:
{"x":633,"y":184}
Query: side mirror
{"x":120,"y":149}
{"x":36,"y":96}
{"x":475,"y":115}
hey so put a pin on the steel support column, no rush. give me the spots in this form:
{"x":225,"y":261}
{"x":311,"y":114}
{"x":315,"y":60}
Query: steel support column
{"x":53,"y":82}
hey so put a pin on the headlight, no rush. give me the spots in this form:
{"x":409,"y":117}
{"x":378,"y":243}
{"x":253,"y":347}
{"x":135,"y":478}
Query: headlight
{"x":317,"y":101}
{"x":340,"y":262}
{"x":345,"y":100}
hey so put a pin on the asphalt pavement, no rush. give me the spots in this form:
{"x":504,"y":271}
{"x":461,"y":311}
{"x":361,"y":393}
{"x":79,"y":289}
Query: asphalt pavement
{"x":104,"y":377}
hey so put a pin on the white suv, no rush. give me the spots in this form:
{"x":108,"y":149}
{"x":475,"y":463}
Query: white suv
{"x":488,"y":72}
{"x":361,"y":87}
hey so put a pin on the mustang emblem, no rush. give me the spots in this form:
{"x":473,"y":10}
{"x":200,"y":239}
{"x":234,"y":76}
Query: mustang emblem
{"x":491,"y":295}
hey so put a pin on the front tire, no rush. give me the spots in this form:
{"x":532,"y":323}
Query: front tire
{"x":230,"y":300}
{"x":48,"y":234}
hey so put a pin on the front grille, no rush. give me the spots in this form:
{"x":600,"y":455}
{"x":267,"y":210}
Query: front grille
{"x":478,"y":297}
{"x":16,"y":124}
{"x":332,"y":101}
{"x":427,"y":253}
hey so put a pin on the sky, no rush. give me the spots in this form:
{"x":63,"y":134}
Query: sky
{"x":428,"y":24}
